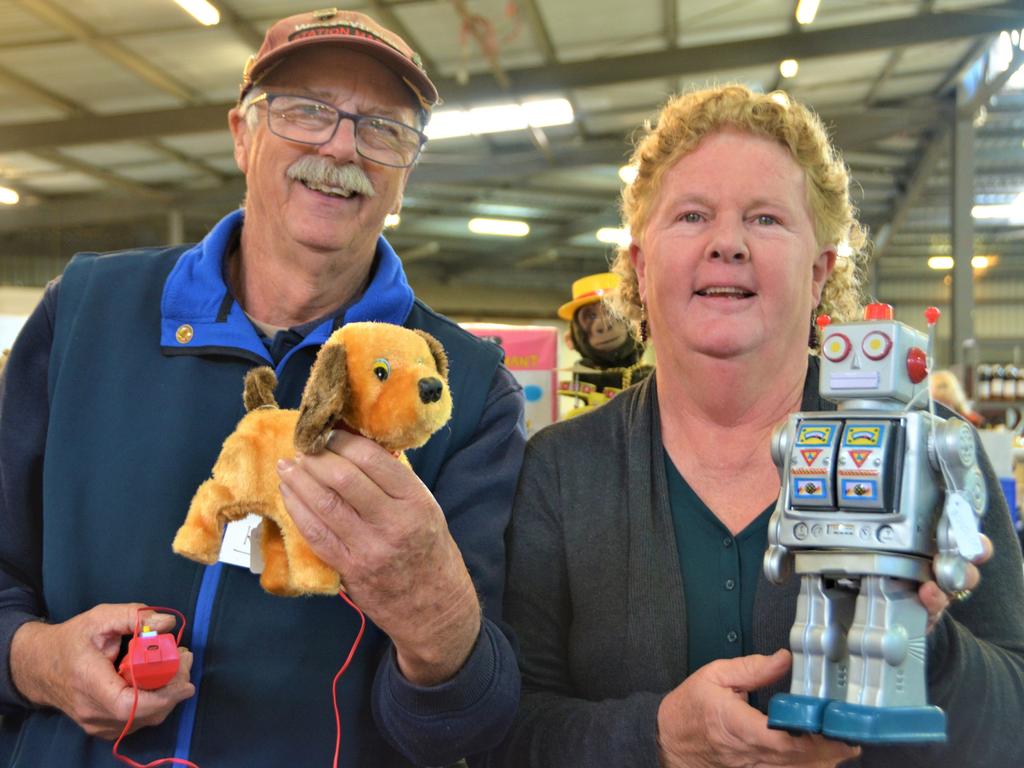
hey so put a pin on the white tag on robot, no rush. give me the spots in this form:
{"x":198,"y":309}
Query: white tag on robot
{"x":239,"y":545}
{"x":965,"y":526}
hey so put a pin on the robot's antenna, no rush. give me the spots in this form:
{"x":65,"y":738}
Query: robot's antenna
{"x":931,"y":315}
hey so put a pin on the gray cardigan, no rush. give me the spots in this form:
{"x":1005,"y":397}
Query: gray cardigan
{"x":595,"y":596}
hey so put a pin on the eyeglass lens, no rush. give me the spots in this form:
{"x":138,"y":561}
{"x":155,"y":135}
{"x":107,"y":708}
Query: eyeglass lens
{"x":309,"y":121}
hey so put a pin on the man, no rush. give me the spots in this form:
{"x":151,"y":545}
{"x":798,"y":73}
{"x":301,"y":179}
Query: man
{"x":124,"y":383}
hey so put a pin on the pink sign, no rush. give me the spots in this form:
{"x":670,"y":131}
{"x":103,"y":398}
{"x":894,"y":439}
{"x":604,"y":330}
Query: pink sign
{"x":531,"y":352}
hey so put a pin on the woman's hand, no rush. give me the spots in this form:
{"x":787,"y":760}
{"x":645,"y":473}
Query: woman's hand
{"x":707,"y":723}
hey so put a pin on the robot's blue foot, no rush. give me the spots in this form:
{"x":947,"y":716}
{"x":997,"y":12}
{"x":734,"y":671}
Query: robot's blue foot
{"x":857,"y":723}
{"x":794,"y":712}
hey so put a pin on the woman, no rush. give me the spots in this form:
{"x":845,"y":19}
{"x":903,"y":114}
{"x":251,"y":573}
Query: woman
{"x":946,"y":389}
{"x":649,"y":636}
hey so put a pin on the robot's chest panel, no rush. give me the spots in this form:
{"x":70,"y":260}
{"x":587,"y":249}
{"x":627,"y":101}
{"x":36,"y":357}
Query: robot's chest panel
{"x":849,"y":464}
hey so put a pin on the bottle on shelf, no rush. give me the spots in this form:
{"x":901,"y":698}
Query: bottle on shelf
{"x":1010,"y":383}
{"x":998,"y":379}
{"x":984,"y":374}
{"x":1020,"y":383}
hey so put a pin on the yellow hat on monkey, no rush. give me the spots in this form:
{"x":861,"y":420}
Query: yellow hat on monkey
{"x":587,"y":290}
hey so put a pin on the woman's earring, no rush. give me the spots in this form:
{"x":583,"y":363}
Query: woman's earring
{"x":644,"y":335}
{"x":812,"y":339}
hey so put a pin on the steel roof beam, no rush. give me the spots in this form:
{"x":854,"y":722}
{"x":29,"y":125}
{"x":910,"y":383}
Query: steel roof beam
{"x":740,"y":54}
{"x":112,"y":49}
{"x":672,"y":63}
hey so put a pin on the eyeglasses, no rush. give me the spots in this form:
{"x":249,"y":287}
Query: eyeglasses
{"x":311,"y":121}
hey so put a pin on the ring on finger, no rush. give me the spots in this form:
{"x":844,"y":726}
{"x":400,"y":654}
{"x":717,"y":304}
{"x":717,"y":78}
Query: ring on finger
{"x":960,"y":595}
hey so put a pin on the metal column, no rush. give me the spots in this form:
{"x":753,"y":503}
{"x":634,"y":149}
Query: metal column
{"x":962,"y":227}
{"x":175,"y":226}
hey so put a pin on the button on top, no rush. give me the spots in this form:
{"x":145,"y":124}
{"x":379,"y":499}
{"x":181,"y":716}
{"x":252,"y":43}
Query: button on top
{"x":727,"y":542}
{"x":732,"y":636}
{"x":729,"y":584}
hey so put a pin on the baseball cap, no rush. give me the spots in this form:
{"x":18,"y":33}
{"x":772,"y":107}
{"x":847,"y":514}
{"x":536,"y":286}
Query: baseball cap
{"x":349,"y":28}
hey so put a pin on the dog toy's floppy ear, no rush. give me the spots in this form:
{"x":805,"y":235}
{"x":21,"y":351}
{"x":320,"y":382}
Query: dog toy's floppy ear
{"x":323,"y":400}
{"x":440,"y":358}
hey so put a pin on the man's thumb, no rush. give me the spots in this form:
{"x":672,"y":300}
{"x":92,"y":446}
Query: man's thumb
{"x":748,"y":673}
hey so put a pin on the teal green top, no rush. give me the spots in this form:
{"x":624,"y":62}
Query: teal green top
{"x":716,"y":568}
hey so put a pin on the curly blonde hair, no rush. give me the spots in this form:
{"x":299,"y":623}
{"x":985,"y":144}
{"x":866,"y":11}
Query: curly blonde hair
{"x":687,"y":119}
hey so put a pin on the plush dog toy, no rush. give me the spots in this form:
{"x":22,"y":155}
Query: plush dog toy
{"x":379,"y":380}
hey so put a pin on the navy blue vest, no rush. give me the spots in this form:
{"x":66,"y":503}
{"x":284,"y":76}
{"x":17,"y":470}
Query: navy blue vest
{"x":134,"y":429}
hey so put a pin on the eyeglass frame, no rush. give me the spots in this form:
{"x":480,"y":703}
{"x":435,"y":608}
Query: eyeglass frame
{"x":268,"y":96}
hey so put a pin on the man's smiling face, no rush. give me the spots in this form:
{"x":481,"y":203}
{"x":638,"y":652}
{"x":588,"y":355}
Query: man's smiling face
{"x":285,"y":200}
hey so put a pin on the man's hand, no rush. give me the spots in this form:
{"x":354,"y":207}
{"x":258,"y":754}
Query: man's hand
{"x":369,"y":517}
{"x":936,"y":601}
{"x":707,"y":723}
{"x":70,"y":666}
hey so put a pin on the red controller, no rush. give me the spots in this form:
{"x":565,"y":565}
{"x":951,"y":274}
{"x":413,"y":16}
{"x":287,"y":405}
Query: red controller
{"x":152,"y":659}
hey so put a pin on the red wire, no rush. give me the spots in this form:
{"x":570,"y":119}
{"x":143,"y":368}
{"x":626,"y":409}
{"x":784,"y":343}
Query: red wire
{"x":135,"y":698}
{"x":337,"y":677}
{"x":179,"y":761}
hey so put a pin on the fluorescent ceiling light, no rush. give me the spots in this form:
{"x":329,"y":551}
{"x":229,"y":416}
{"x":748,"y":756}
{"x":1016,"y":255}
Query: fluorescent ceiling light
{"x":806,"y":10}
{"x":392,"y":220}
{"x":946,"y":262}
{"x":1014,"y":210}
{"x":447,"y":123}
{"x":1016,"y":79}
{"x":503,"y":227}
{"x":789,"y":67}
{"x":1001,"y":52}
{"x":628,"y":174}
{"x":200,"y":10}
{"x":502,"y":117}
{"x":614,"y":236}
{"x":540,"y":113}
{"x":995,"y":211}
{"x":9,"y":196}
{"x":545,"y":113}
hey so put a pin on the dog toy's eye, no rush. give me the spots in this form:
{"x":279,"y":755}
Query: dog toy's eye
{"x":381,"y":368}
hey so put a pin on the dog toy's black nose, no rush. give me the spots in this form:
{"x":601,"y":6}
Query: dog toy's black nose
{"x":430,"y":390}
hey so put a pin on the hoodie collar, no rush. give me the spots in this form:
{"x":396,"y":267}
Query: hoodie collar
{"x":198,"y":311}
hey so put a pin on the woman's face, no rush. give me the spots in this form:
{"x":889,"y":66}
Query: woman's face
{"x":728,"y":264}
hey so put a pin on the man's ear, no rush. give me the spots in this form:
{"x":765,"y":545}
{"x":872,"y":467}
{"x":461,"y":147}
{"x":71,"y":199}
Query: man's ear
{"x":240,"y":138}
{"x":822,"y":267}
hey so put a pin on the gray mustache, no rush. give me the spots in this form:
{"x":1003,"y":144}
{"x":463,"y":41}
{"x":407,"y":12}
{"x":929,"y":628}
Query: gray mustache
{"x":321,"y":172}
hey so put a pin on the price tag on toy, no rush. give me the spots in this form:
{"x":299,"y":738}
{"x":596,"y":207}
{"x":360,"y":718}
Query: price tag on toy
{"x":964,"y":525}
{"x":240,"y":546}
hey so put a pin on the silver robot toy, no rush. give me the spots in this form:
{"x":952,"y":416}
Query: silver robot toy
{"x":877,"y":498}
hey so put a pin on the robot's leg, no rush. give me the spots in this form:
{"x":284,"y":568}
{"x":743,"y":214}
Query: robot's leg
{"x":886,"y":701}
{"x":820,"y":662}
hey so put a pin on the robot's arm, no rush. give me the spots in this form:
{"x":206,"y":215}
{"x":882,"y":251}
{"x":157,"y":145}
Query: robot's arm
{"x":778,"y":563}
{"x":954,"y":453}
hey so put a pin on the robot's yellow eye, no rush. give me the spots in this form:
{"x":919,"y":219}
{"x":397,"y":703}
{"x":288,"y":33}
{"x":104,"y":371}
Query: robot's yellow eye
{"x":876,"y":345}
{"x":836,"y":347}
{"x":381,"y":368}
